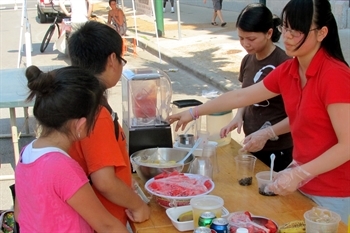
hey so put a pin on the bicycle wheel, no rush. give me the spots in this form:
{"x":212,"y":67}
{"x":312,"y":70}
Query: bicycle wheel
{"x":47,"y":38}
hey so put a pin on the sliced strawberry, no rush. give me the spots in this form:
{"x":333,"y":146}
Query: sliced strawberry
{"x":160,"y":176}
{"x":207,"y":184}
{"x":271,"y":226}
{"x":248,"y":214}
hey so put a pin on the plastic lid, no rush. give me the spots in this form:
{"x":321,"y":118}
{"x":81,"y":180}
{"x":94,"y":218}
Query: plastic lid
{"x":186,"y":103}
{"x":220,"y":113}
{"x":207,"y":202}
{"x":242,"y":230}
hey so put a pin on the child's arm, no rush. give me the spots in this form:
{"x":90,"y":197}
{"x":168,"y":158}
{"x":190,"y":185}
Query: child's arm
{"x":64,"y":9}
{"x":86,"y":203}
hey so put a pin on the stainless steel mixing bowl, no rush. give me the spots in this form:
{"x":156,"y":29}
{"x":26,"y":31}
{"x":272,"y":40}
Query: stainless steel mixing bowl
{"x":145,"y":162}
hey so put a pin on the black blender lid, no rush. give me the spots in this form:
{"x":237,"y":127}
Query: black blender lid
{"x":186,"y":103}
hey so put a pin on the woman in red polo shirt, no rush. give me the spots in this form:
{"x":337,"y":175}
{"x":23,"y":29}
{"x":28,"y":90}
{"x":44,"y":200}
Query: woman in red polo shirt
{"x":315,"y":88}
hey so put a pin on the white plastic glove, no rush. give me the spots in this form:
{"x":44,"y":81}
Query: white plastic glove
{"x":289,"y":180}
{"x":257,"y":140}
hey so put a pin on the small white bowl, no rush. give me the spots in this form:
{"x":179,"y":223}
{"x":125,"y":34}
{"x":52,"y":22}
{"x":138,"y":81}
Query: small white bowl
{"x":174,"y":213}
{"x":197,"y":152}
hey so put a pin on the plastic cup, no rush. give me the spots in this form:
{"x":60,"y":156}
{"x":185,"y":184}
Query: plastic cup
{"x":204,"y":135}
{"x":206,"y":203}
{"x":315,"y":224}
{"x":263,"y":179}
{"x":209,"y":151}
{"x":245,"y":165}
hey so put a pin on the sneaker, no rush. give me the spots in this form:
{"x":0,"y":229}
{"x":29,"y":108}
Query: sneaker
{"x":163,"y":10}
{"x":172,"y":10}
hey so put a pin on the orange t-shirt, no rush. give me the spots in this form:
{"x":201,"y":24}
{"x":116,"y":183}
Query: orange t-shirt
{"x":101,"y":149}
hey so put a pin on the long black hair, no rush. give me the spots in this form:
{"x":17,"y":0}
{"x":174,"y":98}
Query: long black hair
{"x":256,"y":17}
{"x":300,"y":14}
{"x":63,"y":94}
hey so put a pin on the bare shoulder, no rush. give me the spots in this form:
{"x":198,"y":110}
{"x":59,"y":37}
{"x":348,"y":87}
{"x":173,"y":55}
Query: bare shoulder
{"x":120,"y":11}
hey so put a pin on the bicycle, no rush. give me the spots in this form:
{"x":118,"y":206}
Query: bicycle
{"x":50,"y":31}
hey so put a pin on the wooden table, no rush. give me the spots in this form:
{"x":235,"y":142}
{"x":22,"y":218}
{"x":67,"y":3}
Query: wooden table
{"x":13,"y":94}
{"x":281,"y":209}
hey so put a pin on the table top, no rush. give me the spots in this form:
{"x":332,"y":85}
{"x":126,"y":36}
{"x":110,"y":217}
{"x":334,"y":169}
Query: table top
{"x":13,"y":87}
{"x":281,"y":209}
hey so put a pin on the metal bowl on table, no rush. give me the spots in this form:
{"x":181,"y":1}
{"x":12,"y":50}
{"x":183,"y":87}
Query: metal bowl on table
{"x":153,"y":161}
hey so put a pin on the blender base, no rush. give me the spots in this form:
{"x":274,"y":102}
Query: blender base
{"x":144,"y":138}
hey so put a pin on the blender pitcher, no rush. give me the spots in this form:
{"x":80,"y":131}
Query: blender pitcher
{"x":146,"y":99}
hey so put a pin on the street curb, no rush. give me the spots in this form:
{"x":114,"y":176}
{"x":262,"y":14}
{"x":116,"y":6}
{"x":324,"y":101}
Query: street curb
{"x":224,"y":84}
{"x":220,"y":82}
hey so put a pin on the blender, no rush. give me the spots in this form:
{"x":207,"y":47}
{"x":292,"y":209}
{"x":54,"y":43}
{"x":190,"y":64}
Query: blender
{"x":146,"y":98}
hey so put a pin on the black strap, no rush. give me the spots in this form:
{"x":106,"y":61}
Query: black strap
{"x":115,"y":121}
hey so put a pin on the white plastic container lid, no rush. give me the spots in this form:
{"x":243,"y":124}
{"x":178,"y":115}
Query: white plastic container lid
{"x":207,"y":202}
{"x":242,"y":230}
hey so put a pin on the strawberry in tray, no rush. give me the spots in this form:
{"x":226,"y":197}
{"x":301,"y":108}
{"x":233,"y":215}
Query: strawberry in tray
{"x":179,"y":185}
{"x":254,"y":224}
{"x":177,"y":189}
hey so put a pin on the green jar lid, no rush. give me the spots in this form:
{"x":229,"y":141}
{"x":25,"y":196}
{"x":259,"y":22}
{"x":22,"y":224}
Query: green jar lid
{"x":220,"y":113}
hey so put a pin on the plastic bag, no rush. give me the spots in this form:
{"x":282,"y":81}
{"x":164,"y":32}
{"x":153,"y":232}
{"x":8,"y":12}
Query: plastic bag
{"x":61,"y":43}
{"x":180,"y":185}
{"x":7,"y":221}
{"x":244,"y":219}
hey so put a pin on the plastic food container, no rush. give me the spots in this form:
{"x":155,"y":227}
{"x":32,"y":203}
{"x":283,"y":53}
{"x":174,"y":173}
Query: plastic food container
{"x":168,"y":201}
{"x":197,"y":152}
{"x":205,"y":203}
{"x":317,"y":223}
{"x":175,"y":212}
{"x":215,"y":122}
{"x":263,"y":179}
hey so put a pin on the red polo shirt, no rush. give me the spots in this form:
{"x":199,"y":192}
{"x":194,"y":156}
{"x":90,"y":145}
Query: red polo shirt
{"x":328,"y":82}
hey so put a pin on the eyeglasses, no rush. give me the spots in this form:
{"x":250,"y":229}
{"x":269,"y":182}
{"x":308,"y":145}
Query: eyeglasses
{"x":292,"y":32}
{"x":123,"y":61}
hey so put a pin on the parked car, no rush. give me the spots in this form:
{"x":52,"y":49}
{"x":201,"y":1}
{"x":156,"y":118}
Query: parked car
{"x":50,"y":8}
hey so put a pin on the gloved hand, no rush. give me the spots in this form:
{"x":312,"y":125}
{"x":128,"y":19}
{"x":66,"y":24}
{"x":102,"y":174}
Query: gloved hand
{"x":289,"y":180}
{"x":257,"y":140}
{"x":236,"y":123}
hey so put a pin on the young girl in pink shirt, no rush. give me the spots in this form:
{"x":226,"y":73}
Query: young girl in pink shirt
{"x":53,"y":193}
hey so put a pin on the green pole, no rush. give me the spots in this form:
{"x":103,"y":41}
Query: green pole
{"x":158,"y":5}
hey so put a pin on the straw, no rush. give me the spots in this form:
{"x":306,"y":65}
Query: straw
{"x":272,"y":157}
